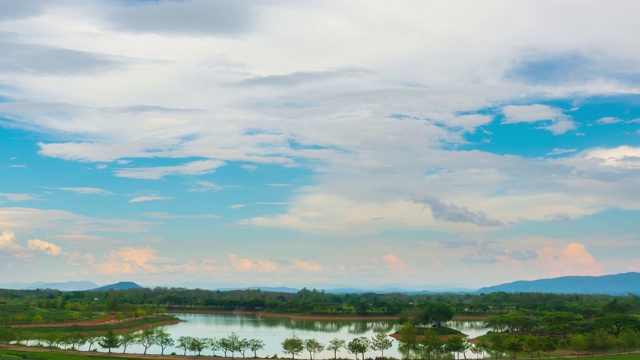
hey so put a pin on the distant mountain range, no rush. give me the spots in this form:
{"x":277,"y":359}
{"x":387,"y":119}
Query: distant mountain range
{"x":618,"y":284}
{"x":63,"y":286}
{"x":123,"y":285}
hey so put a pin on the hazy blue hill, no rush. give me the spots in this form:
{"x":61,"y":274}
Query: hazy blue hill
{"x":619,"y":284}
{"x":123,"y":285}
{"x":62,"y":286}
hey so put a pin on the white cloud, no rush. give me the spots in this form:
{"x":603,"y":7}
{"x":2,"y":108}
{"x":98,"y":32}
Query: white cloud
{"x":145,"y":198}
{"x":623,"y":157}
{"x":8,"y":242}
{"x":237,"y":206}
{"x":307,"y":266}
{"x":18,"y":197}
{"x":560,"y":123}
{"x":608,"y":120}
{"x":44,"y":247}
{"x":246,"y":265}
{"x":154,"y":173}
{"x":558,"y":151}
{"x":530,"y":113}
{"x":64,"y":222}
{"x":86,"y":190}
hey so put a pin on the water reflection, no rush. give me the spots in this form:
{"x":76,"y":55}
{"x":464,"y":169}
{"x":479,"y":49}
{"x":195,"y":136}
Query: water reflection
{"x":273,"y":330}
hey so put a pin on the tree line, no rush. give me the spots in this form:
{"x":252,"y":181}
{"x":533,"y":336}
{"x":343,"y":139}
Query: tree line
{"x":308,"y":301}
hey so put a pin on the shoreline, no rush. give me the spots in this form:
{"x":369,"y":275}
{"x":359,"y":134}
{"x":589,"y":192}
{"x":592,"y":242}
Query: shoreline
{"x":312,"y":317}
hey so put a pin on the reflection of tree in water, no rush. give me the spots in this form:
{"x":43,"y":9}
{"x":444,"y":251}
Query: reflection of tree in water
{"x":462,"y":325}
{"x":352,"y":327}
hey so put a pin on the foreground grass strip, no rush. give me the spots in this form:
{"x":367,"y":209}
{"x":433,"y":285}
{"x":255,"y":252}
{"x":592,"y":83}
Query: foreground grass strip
{"x":53,"y":355}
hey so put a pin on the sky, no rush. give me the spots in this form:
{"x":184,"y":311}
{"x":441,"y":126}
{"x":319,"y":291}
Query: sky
{"x":319,"y":144}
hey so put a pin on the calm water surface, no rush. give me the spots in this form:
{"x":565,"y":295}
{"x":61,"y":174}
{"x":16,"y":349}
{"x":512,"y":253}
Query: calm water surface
{"x":273,"y":331}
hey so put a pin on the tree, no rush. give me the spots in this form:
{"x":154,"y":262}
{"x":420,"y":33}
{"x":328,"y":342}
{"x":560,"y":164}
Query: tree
{"x":77,"y":338}
{"x":408,"y":337}
{"x":243,"y":346}
{"x":359,"y":345}
{"x":431,"y":343}
{"x":255,"y":345}
{"x":91,"y":339}
{"x":197,"y":345}
{"x":514,"y":344}
{"x":126,"y":339}
{"x":335,"y":345}
{"x":6,"y":335}
{"x":630,"y":339}
{"x":437,"y":313}
{"x":457,"y":344}
{"x":293,"y":346}
{"x":381,"y":342}
{"x":313,"y":346}
{"x":183,"y":343}
{"x":146,"y":339}
{"x":163,"y":339}
{"x":548,"y":345}
{"x":214,"y":345}
{"x":109,"y":341}
{"x":233,"y":343}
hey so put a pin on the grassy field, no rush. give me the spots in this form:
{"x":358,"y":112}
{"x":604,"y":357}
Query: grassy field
{"x":14,"y":354}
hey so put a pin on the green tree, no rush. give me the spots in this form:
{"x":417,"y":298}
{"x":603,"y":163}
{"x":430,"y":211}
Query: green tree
{"x":109,"y":341}
{"x":293,"y":346}
{"x":437,"y":313}
{"x":359,"y":345}
{"x":77,"y":338}
{"x":408,"y":337}
{"x":431,"y":343}
{"x":630,"y":339}
{"x":214,"y":345}
{"x":233,"y":343}
{"x":457,"y":344}
{"x":37,"y":319}
{"x":514,"y":344}
{"x":243,"y":346}
{"x":183,"y":343}
{"x":91,"y":338}
{"x":163,"y":339}
{"x":126,"y":339}
{"x":6,"y":335}
{"x":549,"y":345}
{"x":255,"y":345}
{"x":197,"y":345}
{"x":335,"y":345}
{"x":578,"y":343}
{"x":381,"y":342}
{"x":313,"y":346}
{"x":147,"y":338}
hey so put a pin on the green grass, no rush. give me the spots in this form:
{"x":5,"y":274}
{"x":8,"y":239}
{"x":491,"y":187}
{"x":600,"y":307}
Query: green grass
{"x":15,"y":354}
{"x":100,"y":328}
{"x":26,"y":355}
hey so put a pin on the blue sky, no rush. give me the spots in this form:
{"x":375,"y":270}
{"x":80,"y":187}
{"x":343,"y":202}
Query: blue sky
{"x":341,"y":143}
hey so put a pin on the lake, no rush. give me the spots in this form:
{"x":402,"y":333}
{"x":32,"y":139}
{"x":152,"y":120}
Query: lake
{"x":273,"y":330}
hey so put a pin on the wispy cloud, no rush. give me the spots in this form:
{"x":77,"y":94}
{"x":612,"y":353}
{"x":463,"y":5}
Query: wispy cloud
{"x":86,"y":190}
{"x":154,"y":173}
{"x":145,"y":198}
